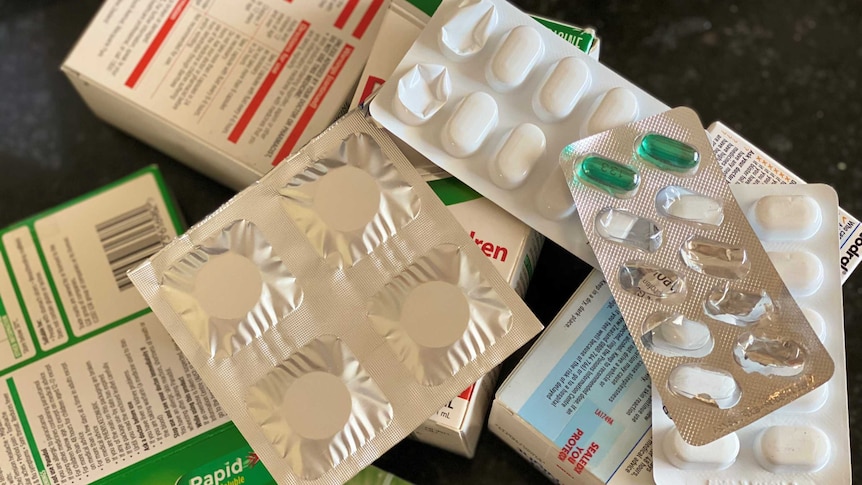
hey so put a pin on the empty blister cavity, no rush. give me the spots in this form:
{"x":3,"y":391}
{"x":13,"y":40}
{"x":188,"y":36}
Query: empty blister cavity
{"x":350,"y":202}
{"x":717,"y":455}
{"x":517,"y":155}
{"x":618,"y":106}
{"x":471,"y":122}
{"x":785,"y":217}
{"x":626,"y":228}
{"x":618,"y":180}
{"x":667,"y":154}
{"x":652,"y":282}
{"x":438,"y":315}
{"x":714,"y":387}
{"x":714,"y":258}
{"x":230,"y":289}
{"x":422,"y":91}
{"x":769,"y":355}
{"x":318,"y":407}
{"x":816,"y":321}
{"x":561,"y":89}
{"x":554,"y":202}
{"x":736,"y":306}
{"x":513,"y":61}
{"x":683,"y":204}
{"x":673,"y":335}
{"x":467,"y":32}
{"x":801,"y":271}
{"x":792,"y":449}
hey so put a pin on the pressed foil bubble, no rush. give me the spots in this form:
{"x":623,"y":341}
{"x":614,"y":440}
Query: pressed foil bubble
{"x":318,"y":407}
{"x":438,"y":315}
{"x":673,"y":335}
{"x":350,"y":202}
{"x":231,"y":289}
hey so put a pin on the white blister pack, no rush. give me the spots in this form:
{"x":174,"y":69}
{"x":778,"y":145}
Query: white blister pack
{"x":722,"y":337}
{"x":334,"y":305}
{"x":807,"y":441}
{"x":492,"y":97}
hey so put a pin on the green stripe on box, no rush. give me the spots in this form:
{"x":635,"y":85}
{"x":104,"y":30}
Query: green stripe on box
{"x":452,"y":191}
{"x":28,"y":433}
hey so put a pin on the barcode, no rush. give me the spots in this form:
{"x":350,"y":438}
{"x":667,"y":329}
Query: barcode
{"x":130,"y":238}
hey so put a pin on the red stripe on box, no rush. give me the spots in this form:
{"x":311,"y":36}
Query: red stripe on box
{"x":160,"y":37}
{"x":367,"y":18}
{"x":306,"y":116}
{"x":268,"y":81}
{"x":345,"y":14}
{"x":370,"y":84}
{"x":466,"y":393}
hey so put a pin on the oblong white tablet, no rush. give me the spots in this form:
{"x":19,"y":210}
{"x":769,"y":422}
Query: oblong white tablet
{"x":708,"y":385}
{"x":617,"y":107}
{"x":801,"y":271}
{"x":517,"y":156}
{"x":810,"y":402}
{"x":561,"y":89}
{"x":465,"y":131}
{"x":816,"y":321}
{"x":785,"y":217}
{"x":515,"y":58}
{"x":717,"y":455}
{"x":553,"y":200}
{"x":784,"y":449}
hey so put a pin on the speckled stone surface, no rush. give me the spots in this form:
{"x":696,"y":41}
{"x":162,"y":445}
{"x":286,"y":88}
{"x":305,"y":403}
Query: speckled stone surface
{"x":783,"y":74}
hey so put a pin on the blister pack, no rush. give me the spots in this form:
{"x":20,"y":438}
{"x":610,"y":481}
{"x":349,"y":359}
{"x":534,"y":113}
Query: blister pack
{"x":722,"y":338}
{"x":806,"y":441}
{"x":492,"y":96}
{"x":334,"y":305}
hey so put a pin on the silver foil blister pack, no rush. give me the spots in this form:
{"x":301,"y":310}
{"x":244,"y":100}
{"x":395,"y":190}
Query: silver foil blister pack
{"x":334,"y":305}
{"x":722,"y":337}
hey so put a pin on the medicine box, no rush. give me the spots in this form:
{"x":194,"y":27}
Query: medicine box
{"x":577,"y":406}
{"x":744,"y":163}
{"x":229,"y":87}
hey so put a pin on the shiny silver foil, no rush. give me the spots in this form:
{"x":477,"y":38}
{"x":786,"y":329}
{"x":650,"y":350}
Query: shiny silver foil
{"x":398,"y":204}
{"x":489,"y":319}
{"x":279,"y":293}
{"x":369,"y":410}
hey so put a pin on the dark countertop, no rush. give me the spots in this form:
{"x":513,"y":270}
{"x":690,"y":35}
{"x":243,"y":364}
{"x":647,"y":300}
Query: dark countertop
{"x":783,"y":75}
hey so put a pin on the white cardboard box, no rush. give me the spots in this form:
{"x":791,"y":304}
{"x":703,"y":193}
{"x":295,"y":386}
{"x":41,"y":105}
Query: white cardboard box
{"x":744,"y":163}
{"x":229,"y":87}
{"x":577,"y":406}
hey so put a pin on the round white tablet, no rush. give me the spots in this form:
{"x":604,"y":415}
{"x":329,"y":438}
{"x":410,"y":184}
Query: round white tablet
{"x":228,"y":286}
{"x":435,"y":314}
{"x":347,"y":198}
{"x":317,"y":405}
{"x":717,"y":455}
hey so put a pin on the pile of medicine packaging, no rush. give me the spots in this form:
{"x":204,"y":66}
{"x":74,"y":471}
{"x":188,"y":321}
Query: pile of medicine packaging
{"x":335,"y":304}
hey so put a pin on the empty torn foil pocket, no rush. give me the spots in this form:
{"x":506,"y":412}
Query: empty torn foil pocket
{"x":318,"y":407}
{"x":350,"y":202}
{"x":439,"y":314}
{"x":230,"y":289}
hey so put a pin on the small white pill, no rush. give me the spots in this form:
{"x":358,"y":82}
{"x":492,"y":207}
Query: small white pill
{"x":717,"y":455}
{"x":789,"y":449}
{"x":785,"y":217}
{"x":474,"y":118}
{"x":466,"y":33}
{"x":517,"y":156}
{"x":617,"y":107}
{"x":801,"y":271}
{"x":553,"y":200}
{"x":515,"y":58}
{"x":562,"y":89}
{"x":816,"y":321}
{"x":810,"y":402}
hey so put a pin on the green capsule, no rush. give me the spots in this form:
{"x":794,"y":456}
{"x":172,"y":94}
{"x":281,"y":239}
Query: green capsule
{"x":667,"y":154}
{"x":614,"y":178}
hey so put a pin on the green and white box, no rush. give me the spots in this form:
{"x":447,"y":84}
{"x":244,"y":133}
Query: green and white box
{"x":577,"y":406}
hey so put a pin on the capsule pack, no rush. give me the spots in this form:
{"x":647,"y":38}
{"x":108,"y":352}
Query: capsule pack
{"x":806,"y":441}
{"x":722,"y":338}
{"x":492,"y":97}
{"x":334,"y":305}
